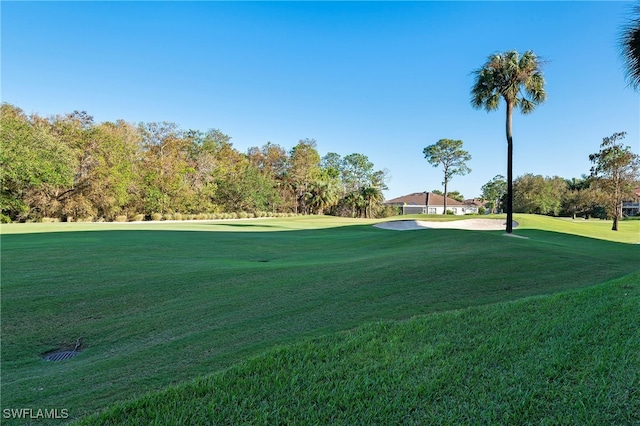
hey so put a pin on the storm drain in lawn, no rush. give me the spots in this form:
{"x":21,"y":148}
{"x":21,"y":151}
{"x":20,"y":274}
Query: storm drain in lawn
{"x":64,"y":354}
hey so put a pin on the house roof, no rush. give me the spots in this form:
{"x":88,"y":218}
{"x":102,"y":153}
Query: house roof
{"x":478,"y":202}
{"x":420,"y":198}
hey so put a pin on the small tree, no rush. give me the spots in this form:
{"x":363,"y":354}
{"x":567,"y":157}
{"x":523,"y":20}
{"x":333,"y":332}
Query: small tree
{"x":615,"y":171}
{"x":494,"y":191}
{"x":580,"y":197}
{"x":452,"y":157}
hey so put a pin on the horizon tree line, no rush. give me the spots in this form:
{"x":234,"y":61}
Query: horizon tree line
{"x":69,"y":167}
{"x":613,"y":179}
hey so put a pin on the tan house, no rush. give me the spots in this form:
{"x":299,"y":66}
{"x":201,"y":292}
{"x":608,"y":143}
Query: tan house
{"x":430,"y":203}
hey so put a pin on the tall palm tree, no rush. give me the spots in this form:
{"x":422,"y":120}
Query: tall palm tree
{"x":519,"y":81}
{"x":630,"y":43}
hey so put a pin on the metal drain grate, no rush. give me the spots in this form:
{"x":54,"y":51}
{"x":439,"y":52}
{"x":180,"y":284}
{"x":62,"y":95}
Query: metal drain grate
{"x":60,"y":356}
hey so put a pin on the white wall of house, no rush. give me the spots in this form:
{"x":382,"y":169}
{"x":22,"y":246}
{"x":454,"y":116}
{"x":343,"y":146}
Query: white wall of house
{"x":470,"y":209}
{"x":457,"y":210}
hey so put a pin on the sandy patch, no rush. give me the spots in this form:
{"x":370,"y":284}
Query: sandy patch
{"x":469,"y":224}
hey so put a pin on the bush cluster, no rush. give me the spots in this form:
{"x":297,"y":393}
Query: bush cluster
{"x":175,"y":216}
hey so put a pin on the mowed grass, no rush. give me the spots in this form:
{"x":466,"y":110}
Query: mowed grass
{"x":159,"y":304}
{"x":629,"y":230}
{"x":565,"y":359}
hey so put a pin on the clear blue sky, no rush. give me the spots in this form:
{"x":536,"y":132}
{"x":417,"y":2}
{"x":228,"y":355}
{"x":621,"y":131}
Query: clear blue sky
{"x":377,"y":78}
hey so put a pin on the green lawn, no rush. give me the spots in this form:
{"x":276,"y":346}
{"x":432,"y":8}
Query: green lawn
{"x":565,"y":359}
{"x":159,"y":304}
{"x":629,"y":230}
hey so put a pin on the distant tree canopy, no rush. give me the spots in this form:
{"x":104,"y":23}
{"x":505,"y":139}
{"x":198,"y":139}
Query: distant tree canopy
{"x":586,"y":196}
{"x":69,"y":167}
{"x":454,"y":195}
{"x":494,"y":192}
{"x":539,"y":195}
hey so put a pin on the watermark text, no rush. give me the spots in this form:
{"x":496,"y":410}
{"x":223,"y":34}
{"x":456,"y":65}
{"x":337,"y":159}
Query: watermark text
{"x":35,"y":413}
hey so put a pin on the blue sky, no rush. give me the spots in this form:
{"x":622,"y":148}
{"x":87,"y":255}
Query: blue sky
{"x":384,"y":79}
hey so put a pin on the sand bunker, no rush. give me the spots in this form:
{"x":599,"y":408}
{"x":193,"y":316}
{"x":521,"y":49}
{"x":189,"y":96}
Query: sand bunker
{"x":470,"y":224}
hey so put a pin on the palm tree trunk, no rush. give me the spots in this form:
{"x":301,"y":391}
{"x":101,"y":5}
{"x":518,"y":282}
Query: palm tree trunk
{"x":509,"y":169}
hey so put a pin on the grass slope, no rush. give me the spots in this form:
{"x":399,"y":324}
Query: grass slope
{"x":157,"y":305}
{"x":570,"y":358}
{"x":297,"y":223}
{"x":629,"y":230}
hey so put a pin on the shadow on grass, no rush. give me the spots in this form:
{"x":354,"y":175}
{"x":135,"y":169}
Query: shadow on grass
{"x":247,"y":225}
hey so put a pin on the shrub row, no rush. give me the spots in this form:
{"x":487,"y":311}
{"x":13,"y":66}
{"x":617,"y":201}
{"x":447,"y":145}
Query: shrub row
{"x":176,"y":216}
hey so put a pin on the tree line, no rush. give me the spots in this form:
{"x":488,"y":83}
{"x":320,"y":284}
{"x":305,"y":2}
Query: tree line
{"x":613,"y":179}
{"x":547,"y":195}
{"x":68,"y":167}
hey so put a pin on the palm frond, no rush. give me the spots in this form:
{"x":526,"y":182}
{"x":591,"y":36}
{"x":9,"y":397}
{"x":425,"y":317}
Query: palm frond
{"x":534,"y":87}
{"x":492,"y":102}
{"x":526,"y":106}
{"x":483,"y":88}
{"x":630,"y":43}
{"x":506,"y":75}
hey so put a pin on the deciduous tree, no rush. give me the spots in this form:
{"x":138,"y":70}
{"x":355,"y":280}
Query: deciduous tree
{"x":538,"y":195}
{"x":166,"y":164}
{"x":270,"y":158}
{"x":111,"y":183}
{"x":615,"y":172}
{"x":35,"y":166}
{"x":494,"y":191}
{"x":304,"y":167}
